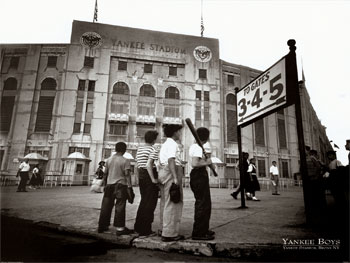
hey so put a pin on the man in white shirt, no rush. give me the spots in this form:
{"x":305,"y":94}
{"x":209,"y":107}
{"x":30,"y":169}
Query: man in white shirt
{"x":199,"y":183}
{"x":170,"y":212}
{"x":23,"y":172}
{"x":274,"y":178}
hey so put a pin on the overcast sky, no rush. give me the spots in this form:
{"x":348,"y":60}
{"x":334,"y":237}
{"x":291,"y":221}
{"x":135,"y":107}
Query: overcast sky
{"x":251,"y":33}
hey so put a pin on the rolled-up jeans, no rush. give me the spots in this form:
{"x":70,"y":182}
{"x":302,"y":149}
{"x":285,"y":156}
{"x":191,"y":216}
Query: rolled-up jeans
{"x":170,"y":213}
{"x":114,"y":195}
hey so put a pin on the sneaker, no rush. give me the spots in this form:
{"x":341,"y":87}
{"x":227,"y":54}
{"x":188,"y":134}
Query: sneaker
{"x":125,"y":231}
{"x":101,"y":230}
{"x":234,"y":195}
{"x":211,"y":233}
{"x":170,"y":239}
{"x":255,"y":199}
{"x":150,"y":234}
{"x":206,"y":237}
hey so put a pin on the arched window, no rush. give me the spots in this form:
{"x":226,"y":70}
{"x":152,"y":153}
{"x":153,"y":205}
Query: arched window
{"x":49,"y":84}
{"x":147,"y":100}
{"x":45,"y":107}
{"x":171,"y":102}
{"x":120,"y":98}
{"x":121,"y":88}
{"x":172,"y":93}
{"x":231,"y":118}
{"x":7,"y":104}
{"x":231,"y":99}
{"x":10,"y":84}
{"x":147,"y":91}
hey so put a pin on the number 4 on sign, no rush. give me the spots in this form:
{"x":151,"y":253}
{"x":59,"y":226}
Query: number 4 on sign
{"x":257,"y":100}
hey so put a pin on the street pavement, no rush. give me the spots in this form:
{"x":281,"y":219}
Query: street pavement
{"x":257,"y":231}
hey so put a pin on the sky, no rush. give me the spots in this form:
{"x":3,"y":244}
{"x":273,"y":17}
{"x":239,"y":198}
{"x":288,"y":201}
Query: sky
{"x":250,"y":33}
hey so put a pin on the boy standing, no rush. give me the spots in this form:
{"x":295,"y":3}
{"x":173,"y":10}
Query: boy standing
{"x":274,"y":177}
{"x":170,"y":212}
{"x":199,"y":183}
{"x":117,"y":180}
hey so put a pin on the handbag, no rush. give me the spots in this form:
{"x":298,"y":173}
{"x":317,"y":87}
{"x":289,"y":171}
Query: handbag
{"x":175,"y":194}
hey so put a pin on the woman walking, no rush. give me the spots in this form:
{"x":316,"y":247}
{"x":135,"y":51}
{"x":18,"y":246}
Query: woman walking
{"x":253,"y":183}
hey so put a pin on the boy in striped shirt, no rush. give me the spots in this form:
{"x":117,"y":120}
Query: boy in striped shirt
{"x":148,"y":183}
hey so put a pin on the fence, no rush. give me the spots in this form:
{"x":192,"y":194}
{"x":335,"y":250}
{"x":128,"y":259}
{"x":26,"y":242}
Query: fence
{"x":229,"y":183}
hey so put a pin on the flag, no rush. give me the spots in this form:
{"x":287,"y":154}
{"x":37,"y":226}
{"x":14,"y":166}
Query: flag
{"x":202,"y":27}
{"x":336,"y":146}
{"x":95,"y":13}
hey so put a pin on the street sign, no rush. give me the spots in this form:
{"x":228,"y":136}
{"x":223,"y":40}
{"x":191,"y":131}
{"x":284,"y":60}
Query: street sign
{"x":263,"y":95}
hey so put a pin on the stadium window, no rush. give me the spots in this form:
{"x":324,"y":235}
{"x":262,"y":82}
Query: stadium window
{"x":172,"y":71}
{"x":202,"y":73}
{"x":122,"y":65}
{"x":14,"y":62}
{"x":51,"y":61}
{"x":148,"y":68}
{"x":89,"y":62}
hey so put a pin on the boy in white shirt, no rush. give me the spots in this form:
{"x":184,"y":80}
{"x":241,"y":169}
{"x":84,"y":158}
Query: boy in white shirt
{"x":170,"y":212}
{"x":23,"y":172}
{"x":199,"y":183}
{"x":274,"y":178}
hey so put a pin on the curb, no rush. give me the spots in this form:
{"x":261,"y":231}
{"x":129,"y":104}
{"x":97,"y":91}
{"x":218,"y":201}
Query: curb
{"x":188,"y":246}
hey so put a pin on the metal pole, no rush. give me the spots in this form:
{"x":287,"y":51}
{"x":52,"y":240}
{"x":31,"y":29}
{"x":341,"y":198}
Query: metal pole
{"x":292,"y":70}
{"x":241,"y":171}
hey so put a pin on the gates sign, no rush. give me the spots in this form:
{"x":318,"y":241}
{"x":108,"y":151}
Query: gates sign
{"x":262,"y":95}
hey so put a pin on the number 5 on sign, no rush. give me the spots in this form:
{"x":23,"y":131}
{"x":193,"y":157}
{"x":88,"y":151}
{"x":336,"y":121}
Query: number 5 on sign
{"x":262,"y":95}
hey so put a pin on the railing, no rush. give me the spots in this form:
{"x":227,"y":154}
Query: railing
{"x":8,"y":180}
{"x":231,"y":183}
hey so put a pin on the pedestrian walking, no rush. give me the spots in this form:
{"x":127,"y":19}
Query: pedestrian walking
{"x":199,"y":182}
{"x":245,"y":177}
{"x":23,"y":173}
{"x":253,"y":183}
{"x":117,"y":180}
{"x":34,"y":182}
{"x":274,"y":178}
{"x":338,"y":180}
{"x":347,"y":147}
{"x":148,"y":183}
{"x":39,"y":179}
{"x":170,"y":212}
{"x":315,"y":182}
{"x":97,"y":182}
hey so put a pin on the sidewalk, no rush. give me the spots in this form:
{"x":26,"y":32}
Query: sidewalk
{"x":256,"y":231}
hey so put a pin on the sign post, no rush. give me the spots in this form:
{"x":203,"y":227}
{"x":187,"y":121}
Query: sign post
{"x":292,"y":81}
{"x":274,"y":89}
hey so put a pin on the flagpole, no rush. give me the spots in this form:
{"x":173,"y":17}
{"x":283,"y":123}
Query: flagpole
{"x":202,"y":24}
{"x":95,"y":13}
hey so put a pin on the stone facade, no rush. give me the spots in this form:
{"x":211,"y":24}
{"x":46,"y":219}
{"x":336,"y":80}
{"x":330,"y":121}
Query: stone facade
{"x":112,"y":83}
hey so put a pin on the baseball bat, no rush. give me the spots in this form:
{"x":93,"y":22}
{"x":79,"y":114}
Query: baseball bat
{"x":195,"y":135}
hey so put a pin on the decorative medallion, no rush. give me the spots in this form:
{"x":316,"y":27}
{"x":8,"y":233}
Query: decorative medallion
{"x":91,"y":40}
{"x":202,"y":54}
